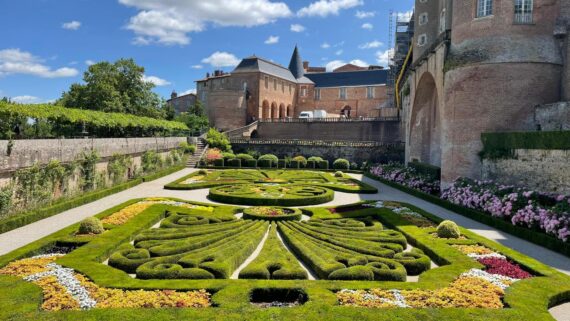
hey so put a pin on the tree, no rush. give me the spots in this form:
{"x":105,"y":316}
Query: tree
{"x":218,"y":140}
{"x":115,"y":87}
{"x":195,"y":118}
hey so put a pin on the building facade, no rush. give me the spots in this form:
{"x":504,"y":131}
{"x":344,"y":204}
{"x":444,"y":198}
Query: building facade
{"x":182,"y":103}
{"x":261,"y":89}
{"x":480,"y":66}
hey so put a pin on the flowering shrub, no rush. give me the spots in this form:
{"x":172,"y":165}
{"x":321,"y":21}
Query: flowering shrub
{"x":213,"y":154}
{"x":124,"y":215}
{"x":504,"y":267}
{"x":547,"y":213}
{"x":407,"y":176}
{"x":270,"y":211}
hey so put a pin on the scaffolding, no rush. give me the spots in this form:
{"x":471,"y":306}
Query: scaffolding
{"x":391,"y":75}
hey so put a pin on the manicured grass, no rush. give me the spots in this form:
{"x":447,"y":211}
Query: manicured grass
{"x":527,"y":299}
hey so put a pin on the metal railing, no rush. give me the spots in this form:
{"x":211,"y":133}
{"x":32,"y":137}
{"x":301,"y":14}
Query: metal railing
{"x":328,"y":120}
{"x":310,"y":142}
{"x":523,"y":18}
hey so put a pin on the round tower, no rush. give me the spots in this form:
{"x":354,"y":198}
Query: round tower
{"x":503,"y":60}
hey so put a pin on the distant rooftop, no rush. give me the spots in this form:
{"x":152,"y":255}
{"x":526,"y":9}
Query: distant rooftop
{"x":349,"y":78}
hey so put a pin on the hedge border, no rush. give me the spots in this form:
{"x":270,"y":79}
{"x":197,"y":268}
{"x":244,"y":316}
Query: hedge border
{"x":535,"y":237}
{"x":285,"y":202}
{"x":33,"y":216}
{"x":501,"y":145}
{"x":295,"y":216}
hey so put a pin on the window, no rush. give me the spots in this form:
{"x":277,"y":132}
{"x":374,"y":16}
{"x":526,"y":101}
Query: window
{"x":523,"y":11}
{"x":342,"y":93}
{"x":484,"y":8}
{"x":370,"y":92}
{"x":423,"y":18}
{"x":274,"y":84}
{"x":304,"y":92}
{"x":422,"y":40}
{"x":317,"y":94}
{"x":282,"y":86}
{"x":266,"y":82}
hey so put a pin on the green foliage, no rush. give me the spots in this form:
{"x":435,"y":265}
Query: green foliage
{"x":9,"y":147}
{"x":431,"y":171}
{"x":69,"y":122}
{"x":117,"y":167}
{"x":244,"y":157}
{"x":341,"y":163}
{"x":448,"y":230}
{"x":87,"y":164}
{"x":302,"y":160}
{"x":315,"y":158}
{"x":502,"y":145}
{"x":273,"y":214}
{"x":282,"y":195}
{"x":6,"y":195}
{"x":151,"y":161}
{"x":196,"y":118}
{"x":90,"y":225}
{"x":338,"y":174}
{"x":274,"y":262}
{"x":272,"y":159}
{"x":218,"y":140}
{"x":228,"y":155}
{"x":115,"y":87}
{"x":187,"y":148}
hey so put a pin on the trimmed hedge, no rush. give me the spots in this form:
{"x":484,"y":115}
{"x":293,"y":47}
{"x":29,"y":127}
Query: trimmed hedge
{"x":295,"y":164}
{"x":236,"y":162}
{"x":533,"y":236}
{"x":249,"y":214}
{"x":251,"y":163}
{"x":426,"y":169}
{"x":219,"y":162}
{"x":324,"y":164}
{"x":499,"y":145}
{"x":341,"y":163}
{"x":274,"y":262}
{"x":264,"y":163}
{"x":300,"y":198}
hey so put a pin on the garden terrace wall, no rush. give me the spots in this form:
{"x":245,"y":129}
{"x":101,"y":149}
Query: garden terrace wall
{"x":357,"y":152}
{"x":27,"y":152}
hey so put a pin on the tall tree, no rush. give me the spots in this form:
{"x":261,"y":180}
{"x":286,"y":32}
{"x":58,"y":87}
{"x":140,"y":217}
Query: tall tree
{"x":115,"y":87}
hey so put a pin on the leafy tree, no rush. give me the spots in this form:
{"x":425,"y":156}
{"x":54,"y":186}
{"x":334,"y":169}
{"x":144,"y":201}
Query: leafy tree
{"x":195,"y":118}
{"x":218,"y":140}
{"x":115,"y":87}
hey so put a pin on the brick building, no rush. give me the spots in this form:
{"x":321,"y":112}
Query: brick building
{"x":261,"y":89}
{"x":480,"y":66}
{"x":182,"y":103}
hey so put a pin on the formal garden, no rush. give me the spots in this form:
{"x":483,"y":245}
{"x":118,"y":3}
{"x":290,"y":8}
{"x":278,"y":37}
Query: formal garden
{"x":264,"y":254}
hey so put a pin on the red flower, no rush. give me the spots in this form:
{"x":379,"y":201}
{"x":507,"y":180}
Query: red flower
{"x":503,"y":267}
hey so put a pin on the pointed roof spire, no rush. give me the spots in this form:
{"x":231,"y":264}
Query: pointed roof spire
{"x":296,"y":64}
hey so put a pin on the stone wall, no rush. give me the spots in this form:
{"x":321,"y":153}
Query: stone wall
{"x":356,"y":154}
{"x":553,"y":117}
{"x":376,"y":131}
{"x":25,"y":153}
{"x":541,"y":170}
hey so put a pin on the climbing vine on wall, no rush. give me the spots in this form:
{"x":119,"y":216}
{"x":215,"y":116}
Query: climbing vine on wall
{"x":117,"y":167}
{"x":6,"y":194}
{"x":87,"y":164}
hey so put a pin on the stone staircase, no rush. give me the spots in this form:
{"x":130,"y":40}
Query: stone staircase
{"x":201,"y":150}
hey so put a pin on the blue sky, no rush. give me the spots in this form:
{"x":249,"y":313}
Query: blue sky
{"x":47,"y":44}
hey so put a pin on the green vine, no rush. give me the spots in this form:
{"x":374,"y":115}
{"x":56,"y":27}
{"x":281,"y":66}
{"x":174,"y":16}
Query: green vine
{"x":117,"y":167}
{"x":150,"y":161}
{"x":6,"y":194}
{"x":88,"y":171}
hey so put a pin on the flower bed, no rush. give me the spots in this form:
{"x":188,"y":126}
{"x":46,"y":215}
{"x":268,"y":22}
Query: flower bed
{"x":272,"y":213}
{"x":64,"y":289}
{"x":125,"y":214}
{"x":407,"y":176}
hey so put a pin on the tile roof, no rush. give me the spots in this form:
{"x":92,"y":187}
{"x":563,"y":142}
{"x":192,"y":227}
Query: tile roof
{"x":349,"y":78}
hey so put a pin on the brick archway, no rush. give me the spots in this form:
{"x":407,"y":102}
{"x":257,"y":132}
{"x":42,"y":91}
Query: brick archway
{"x":346,"y":111}
{"x":265,"y":111}
{"x":282,"y":111}
{"x":274,"y":110}
{"x":289,"y":111}
{"x":425,"y":124}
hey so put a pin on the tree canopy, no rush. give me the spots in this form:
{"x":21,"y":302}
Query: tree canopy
{"x":115,"y":87}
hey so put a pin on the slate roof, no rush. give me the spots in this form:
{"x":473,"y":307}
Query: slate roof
{"x":296,"y":64}
{"x":349,"y":78}
{"x":256,"y":64}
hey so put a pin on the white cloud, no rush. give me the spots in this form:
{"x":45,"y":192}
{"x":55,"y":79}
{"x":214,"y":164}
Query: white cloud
{"x":189,"y":91}
{"x":15,"y":61}
{"x":221,"y":59}
{"x":72,"y":25}
{"x":297,"y":28}
{"x":169,"y":22}
{"x":26,"y":99}
{"x":272,"y":40}
{"x":339,"y":52}
{"x":383,"y":58}
{"x":324,"y":8}
{"x":332,"y":65}
{"x":89,"y":62}
{"x":368,"y":26}
{"x":156,"y":81}
{"x":365,"y":14}
{"x":325,"y":45}
{"x":197,"y":67}
{"x":370,"y":45}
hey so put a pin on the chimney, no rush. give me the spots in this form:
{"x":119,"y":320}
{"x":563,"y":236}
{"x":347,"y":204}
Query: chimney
{"x":306,"y":65}
{"x":216,"y":73}
{"x":173,"y":95}
{"x":207,"y":75}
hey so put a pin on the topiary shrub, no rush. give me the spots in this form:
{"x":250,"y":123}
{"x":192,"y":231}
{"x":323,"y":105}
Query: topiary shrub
{"x":244,"y":157}
{"x":219,"y":162}
{"x":203,"y":172}
{"x":282,"y":163}
{"x":353,"y":273}
{"x":268,"y":157}
{"x":294,"y":164}
{"x":250,"y":163}
{"x":264,"y":163}
{"x":324,"y":164}
{"x":90,"y":225}
{"x":311,"y":164}
{"x":448,"y":229}
{"x":228,"y":155}
{"x":341,"y":163}
{"x":315,"y":159}
{"x":236,"y":162}
{"x":338,"y":174}
{"x":302,"y":160}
